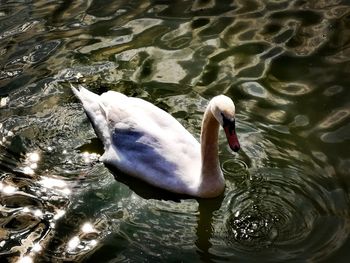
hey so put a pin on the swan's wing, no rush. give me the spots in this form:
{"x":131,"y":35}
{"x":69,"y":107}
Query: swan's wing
{"x":160,"y":159}
{"x":143,"y":140}
{"x":150,"y":144}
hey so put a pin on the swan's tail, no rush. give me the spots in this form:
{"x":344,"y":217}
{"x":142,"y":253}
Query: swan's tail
{"x":95,"y":111}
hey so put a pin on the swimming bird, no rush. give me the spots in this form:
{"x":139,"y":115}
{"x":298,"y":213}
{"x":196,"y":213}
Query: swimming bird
{"x":146,"y":142}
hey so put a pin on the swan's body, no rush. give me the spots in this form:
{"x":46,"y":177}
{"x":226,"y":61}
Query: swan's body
{"x":144,"y":141}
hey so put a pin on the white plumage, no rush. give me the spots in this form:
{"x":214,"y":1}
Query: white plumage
{"x":144,"y":141}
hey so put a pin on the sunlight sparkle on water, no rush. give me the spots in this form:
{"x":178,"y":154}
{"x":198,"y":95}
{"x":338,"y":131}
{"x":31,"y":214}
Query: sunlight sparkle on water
{"x":87,"y":228}
{"x":90,"y":157}
{"x":28,"y":170}
{"x":54,"y":183}
{"x":4,"y":101}
{"x":37,"y":247}
{"x":59,"y":214}
{"x":25,"y":259}
{"x":31,"y":162}
{"x":73,"y":243}
{"x":26,"y":210}
{"x":38,"y":213}
{"x":7,"y":189}
{"x":93,"y":242}
{"x":33,"y":157}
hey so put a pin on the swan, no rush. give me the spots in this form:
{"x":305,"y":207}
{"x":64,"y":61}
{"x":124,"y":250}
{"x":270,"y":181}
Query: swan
{"x":146,"y":142}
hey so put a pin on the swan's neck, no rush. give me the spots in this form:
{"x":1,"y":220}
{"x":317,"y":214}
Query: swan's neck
{"x":212,"y":179}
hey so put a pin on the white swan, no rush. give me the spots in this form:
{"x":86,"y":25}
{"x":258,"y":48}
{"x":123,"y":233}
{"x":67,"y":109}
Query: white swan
{"x":144,"y":141}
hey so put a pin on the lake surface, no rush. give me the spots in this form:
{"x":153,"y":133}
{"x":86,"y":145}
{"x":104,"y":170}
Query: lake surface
{"x":286,"y":64}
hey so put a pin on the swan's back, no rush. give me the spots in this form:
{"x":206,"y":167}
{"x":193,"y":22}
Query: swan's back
{"x":144,"y":141}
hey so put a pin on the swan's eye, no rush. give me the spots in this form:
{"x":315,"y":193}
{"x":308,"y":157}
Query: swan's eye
{"x":227,"y":122}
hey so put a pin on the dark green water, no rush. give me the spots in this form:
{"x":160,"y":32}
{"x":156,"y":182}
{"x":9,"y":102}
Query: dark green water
{"x":286,"y":64}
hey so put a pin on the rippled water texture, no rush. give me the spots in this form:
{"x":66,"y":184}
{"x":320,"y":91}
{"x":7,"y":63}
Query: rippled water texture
{"x":285,"y":64}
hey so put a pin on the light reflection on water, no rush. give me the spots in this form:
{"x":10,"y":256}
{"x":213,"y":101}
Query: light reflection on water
{"x":285,"y":64}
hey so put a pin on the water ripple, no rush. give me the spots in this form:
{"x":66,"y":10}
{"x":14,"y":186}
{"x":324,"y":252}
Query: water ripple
{"x":275,"y":212}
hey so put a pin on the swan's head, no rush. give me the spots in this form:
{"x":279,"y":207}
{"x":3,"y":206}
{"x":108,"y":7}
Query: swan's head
{"x":224,"y":112}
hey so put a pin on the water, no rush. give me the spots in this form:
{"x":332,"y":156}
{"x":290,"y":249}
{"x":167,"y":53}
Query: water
{"x":285,"y":64}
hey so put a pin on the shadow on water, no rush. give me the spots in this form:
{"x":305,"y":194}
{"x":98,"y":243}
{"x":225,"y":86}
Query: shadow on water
{"x":143,"y":189}
{"x":206,"y":209}
{"x":205,"y":228}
